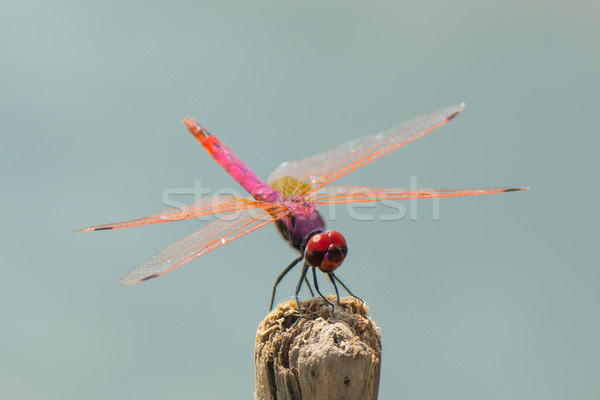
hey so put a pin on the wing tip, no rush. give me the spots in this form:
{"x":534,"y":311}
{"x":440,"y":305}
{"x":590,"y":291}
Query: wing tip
{"x":516,"y":189}
{"x":95,"y":228}
{"x":458,"y":109}
{"x":149,"y":277}
{"x":126,"y":281}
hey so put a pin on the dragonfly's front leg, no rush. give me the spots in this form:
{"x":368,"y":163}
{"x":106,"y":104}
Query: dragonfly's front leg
{"x":337,"y":293}
{"x":312,"y":294}
{"x":318,"y":291}
{"x":299,"y":286}
{"x":331,"y":274}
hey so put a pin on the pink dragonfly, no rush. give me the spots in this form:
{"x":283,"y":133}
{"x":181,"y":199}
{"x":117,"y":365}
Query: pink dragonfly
{"x":289,"y":200}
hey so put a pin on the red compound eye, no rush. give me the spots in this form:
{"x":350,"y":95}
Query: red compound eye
{"x":316,"y":248}
{"x":337,"y":239}
{"x":326,"y":251}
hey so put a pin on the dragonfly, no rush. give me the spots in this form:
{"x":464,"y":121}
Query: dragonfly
{"x":289,"y":199}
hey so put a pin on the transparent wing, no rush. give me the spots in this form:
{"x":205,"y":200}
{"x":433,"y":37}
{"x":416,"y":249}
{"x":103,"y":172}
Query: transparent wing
{"x":362,"y":194}
{"x":323,"y":168}
{"x":209,"y":206}
{"x":212,"y":236}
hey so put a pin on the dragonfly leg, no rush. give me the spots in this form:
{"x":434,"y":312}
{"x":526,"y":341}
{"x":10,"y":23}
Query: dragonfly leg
{"x":318,"y":291}
{"x":337,"y":293}
{"x":309,"y":288}
{"x":299,"y":286}
{"x":345,"y":287}
{"x":280,"y":277}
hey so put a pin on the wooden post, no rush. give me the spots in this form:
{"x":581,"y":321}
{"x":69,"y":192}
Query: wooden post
{"x":319,"y":356}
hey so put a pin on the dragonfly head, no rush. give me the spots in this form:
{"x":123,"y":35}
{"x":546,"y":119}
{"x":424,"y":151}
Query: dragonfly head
{"x":326,"y":250}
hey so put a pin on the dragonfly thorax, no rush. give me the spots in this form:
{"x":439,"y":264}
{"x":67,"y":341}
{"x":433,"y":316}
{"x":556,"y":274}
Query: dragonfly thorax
{"x":302,"y":222}
{"x":290,"y":187}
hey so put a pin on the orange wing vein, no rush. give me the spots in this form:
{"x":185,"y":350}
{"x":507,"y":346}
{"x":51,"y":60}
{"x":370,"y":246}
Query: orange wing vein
{"x":212,"y":236}
{"x":362,"y":194}
{"x":323,"y":168}
{"x":208,"y":206}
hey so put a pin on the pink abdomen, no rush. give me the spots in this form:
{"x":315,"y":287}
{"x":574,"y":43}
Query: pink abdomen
{"x":236,"y":168}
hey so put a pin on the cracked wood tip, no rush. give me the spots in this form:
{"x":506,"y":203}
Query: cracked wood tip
{"x":319,"y":357}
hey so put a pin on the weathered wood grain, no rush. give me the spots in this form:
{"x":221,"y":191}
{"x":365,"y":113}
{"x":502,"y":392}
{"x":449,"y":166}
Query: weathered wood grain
{"x":320,"y":356}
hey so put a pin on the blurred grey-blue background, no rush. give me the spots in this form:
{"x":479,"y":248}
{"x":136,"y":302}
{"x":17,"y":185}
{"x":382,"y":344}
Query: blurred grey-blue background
{"x":497,"y":300}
